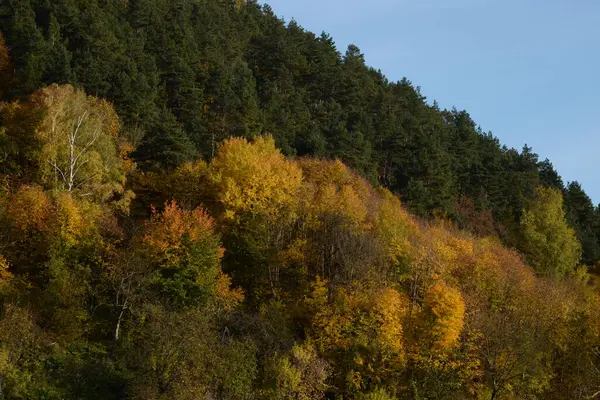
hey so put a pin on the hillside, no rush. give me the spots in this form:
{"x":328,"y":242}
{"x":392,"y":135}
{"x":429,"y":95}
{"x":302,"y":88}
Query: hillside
{"x":186,"y":74}
{"x":199,"y":201}
{"x":254,"y":276}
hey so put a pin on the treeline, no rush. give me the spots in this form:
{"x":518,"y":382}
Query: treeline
{"x":186,"y":74}
{"x":256,"y":276}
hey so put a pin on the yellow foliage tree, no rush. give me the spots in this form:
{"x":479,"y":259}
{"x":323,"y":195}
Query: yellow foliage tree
{"x":361,"y":334}
{"x":30,"y":210}
{"x":442,"y":317}
{"x":254,"y":178}
{"x":394,"y":227}
{"x":75,"y":220}
{"x":550,"y":245}
{"x":331,"y":188}
{"x":391,"y":307}
{"x":61,"y":218}
{"x":79,"y":146}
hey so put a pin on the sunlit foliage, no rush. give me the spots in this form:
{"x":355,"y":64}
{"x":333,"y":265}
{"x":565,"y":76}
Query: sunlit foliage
{"x":549,"y":243}
{"x":258,"y":276}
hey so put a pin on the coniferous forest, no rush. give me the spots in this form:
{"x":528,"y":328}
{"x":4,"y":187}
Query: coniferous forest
{"x":199,"y":200}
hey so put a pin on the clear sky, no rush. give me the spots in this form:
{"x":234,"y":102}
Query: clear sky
{"x":527,"y":70}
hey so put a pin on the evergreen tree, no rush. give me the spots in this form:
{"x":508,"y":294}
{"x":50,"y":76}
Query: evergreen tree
{"x":580,"y":214}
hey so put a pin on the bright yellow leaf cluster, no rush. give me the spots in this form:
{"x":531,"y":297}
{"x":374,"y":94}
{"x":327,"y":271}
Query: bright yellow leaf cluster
{"x":332,"y":188}
{"x":443,"y":314}
{"x":254,"y":178}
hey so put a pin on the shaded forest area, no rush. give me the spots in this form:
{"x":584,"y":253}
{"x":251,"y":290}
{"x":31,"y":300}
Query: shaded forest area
{"x":200,"y":201}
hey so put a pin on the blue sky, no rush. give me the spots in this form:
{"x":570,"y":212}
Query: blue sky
{"x":527,"y":70}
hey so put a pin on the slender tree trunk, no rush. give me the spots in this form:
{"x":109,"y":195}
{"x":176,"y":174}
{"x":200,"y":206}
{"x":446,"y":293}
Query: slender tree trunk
{"x":118,"y":328}
{"x":494,"y":393}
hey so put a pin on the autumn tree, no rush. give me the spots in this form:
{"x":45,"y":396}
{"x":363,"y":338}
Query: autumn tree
{"x":184,"y":249}
{"x":505,"y":315}
{"x":397,"y":232}
{"x":28,"y":222}
{"x":256,"y":190}
{"x":549,"y":244}
{"x":254,"y":178}
{"x":442,"y":315}
{"x":300,"y":374}
{"x":361,"y":335}
{"x":77,"y":249}
{"x":338,"y":208}
{"x":514,"y":345}
{"x":79,"y":142}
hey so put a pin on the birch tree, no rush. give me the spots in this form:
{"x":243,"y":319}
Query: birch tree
{"x":79,"y":141}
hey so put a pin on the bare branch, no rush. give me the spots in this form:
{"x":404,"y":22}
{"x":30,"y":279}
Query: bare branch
{"x":58,"y":169}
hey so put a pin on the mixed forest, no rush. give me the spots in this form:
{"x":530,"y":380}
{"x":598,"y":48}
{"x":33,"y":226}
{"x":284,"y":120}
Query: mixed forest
{"x":199,"y":200}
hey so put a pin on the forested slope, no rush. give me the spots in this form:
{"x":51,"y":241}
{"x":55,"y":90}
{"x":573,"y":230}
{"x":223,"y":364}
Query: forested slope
{"x":185,"y":74}
{"x":198,"y":201}
{"x":254,"y":276}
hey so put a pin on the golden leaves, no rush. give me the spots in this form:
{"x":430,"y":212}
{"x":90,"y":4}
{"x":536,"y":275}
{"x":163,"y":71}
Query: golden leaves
{"x":33,"y":210}
{"x":443,"y":314}
{"x":352,"y":318}
{"x":30,"y":209}
{"x":331,"y":188}
{"x":394,"y":226}
{"x":391,"y":307}
{"x":170,"y":232}
{"x":254,"y":177}
{"x":74,"y":219}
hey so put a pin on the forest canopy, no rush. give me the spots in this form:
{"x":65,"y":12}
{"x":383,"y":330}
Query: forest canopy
{"x":184,"y":75}
{"x":199,"y":200}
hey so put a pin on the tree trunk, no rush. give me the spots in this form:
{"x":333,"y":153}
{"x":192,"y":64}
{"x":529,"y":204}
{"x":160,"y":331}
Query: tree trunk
{"x":118,"y":328}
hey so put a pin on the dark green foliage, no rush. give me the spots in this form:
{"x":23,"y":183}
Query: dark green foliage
{"x":166,"y":146}
{"x":581,"y":215}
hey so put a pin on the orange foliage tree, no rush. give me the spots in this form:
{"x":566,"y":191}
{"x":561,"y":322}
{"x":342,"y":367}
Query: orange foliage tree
{"x":186,"y":251}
